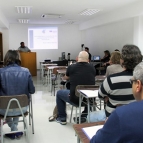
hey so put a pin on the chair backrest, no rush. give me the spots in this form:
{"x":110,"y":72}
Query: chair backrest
{"x":4,"y":100}
{"x":86,"y":87}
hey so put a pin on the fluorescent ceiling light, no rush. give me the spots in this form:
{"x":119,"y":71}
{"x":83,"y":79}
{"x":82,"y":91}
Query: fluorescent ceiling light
{"x":89,"y":12}
{"x":23,"y":20}
{"x":24,"y":9}
{"x":70,"y":22}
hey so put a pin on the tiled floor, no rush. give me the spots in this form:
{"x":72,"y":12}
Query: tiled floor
{"x":45,"y":131}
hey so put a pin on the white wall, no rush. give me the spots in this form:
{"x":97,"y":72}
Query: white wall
{"x":5,"y":39}
{"x":69,"y":41}
{"x":5,"y":34}
{"x":140,"y":31}
{"x":109,"y":37}
{"x":122,"y":13}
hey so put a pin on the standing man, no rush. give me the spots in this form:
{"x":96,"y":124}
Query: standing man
{"x":87,"y":50}
{"x":81,"y":73}
{"x":23,"y":48}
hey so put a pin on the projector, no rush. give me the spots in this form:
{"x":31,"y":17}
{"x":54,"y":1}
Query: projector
{"x":51,"y":15}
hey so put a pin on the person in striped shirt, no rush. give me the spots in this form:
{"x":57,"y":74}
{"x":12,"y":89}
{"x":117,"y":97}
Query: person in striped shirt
{"x":116,"y":89}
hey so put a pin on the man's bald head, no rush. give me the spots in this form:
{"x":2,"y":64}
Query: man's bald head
{"x":83,"y":56}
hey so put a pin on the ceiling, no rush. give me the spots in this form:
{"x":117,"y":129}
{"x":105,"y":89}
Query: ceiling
{"x":69,"y":9}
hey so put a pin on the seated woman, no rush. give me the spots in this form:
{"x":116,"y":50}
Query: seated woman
{"x":106,"y":57}
{"x":115,"y":66}
{"x":14,"y":80}
{"x":105,"y":63}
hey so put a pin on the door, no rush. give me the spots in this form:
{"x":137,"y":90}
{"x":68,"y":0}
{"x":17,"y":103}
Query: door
{"x":1,"y":48}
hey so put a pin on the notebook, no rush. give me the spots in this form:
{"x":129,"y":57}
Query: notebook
{"x":90,"y":93}
{"x":91,"y":131}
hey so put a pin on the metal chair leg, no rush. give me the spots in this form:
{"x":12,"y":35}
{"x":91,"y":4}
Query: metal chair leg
{"x":71,"y":113}
{"x":31,"y":115}
{"x":76,"y":115}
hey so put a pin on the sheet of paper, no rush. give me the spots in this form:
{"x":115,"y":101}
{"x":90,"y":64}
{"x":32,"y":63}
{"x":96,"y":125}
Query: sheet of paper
{"x":90,"y":93}
{"x":91,"y":131}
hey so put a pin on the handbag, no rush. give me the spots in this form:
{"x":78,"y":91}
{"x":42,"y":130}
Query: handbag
{"x":55,"y":114}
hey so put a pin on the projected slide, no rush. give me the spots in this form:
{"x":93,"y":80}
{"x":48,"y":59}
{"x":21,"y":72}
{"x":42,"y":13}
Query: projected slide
{"x":43,"y":38}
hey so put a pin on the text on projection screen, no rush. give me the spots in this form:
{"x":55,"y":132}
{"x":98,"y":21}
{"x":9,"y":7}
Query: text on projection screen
{"x":43,"y":38}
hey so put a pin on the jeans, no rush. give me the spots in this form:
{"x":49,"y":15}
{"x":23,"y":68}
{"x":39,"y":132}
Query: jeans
{"x":13,"y":122}
{"x":97,"y":116}
{"x":61,"y":98}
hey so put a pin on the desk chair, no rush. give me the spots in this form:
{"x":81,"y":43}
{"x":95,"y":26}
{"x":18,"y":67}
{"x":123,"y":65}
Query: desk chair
{"x":100,"y":69}
{"x":31,"y":114}
{"x":90,"y":102}
{"x":54,"y":78}
{"x":12,"y":102}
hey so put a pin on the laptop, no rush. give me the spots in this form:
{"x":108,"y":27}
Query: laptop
{"x":96,"y":58}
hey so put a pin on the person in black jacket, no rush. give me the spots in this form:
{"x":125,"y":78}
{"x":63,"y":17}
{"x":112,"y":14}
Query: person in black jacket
{"x":87,"y":50}
{"x":14,"y":80}
{"x":81,"y":73}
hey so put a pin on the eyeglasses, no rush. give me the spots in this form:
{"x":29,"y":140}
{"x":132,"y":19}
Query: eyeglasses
{"x":132,"y":80}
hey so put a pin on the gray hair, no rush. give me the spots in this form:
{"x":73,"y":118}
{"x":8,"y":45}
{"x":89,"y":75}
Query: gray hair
{"x":138,"y":72}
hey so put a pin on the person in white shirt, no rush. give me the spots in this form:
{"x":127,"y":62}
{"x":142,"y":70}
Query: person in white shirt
{"x":115,"y":66}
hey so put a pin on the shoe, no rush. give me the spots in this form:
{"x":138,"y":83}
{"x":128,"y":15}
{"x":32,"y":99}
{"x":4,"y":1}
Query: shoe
{"x":18,"y":135}
{"x":62,"y":122}
{"x":82,"y":120}
{"x":11,"y":136}
{"x":84,"y":115}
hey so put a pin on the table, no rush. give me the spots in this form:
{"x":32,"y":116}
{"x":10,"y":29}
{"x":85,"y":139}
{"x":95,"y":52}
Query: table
{"x":43,"y":67}
{"x":50,"y":69}
{"x":95,"y":63}
{"x":80,"y":134}
{"x":88,"y":95}
{"x":63,"y":71}
{"x":99,"y":79}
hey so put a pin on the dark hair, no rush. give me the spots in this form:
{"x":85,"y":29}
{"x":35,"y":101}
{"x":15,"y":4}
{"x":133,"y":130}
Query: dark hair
{"x":86,"y":48}
{"x":107,"y":52}
{"x":11,"y":57}
{"x":117,"y":50}
{"x":18,"y":62}
{"x":131,"y":56}
{"x":21,"y":43}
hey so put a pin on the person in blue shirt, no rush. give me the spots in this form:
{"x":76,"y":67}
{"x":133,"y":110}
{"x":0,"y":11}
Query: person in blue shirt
{"x":14,"y":80}
{"x":125,"y":124}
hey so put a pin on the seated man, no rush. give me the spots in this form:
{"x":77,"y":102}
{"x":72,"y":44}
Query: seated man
{"x":14,"y":80}
{"x":81,"y":73}
{"x":125,"y":123}
{"x":116,"y":88}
